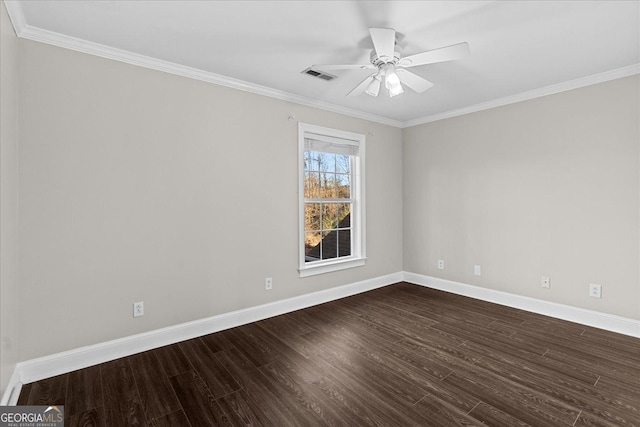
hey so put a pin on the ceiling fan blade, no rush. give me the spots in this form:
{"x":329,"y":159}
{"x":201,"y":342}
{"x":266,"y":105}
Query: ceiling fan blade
{"x":414,"y":81}
{"x":359,"y":90}
{"x":448,"y":53}
{"x":343,"y":67}
{"x":384,"y":42}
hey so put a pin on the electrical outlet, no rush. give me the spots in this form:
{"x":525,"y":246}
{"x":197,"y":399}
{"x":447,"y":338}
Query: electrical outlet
{"x":545,"y":282}
{"x":595,"y":291}
{"x":477,"y":270}
{"x":441,"y":264}
{"x":138,"y":309}
{"x":268,"y":284}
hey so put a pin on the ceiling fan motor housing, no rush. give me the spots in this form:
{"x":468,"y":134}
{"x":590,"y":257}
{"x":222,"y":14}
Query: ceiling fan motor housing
{"x":381,"y":60}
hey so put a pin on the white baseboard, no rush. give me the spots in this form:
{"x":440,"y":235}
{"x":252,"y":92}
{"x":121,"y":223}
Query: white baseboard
{"x":12,"y":391}
{"x":68,"y":361}
{"x":596,"y":319}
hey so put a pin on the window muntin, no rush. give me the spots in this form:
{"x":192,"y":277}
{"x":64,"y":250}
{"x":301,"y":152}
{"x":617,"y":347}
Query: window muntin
{"x":331,"y":205}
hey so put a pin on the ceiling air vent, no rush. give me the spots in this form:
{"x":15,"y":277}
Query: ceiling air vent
{"x":319,"y":74}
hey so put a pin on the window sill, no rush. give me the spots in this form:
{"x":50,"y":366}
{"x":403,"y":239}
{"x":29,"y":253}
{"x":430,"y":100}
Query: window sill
{"x":328,"y":267}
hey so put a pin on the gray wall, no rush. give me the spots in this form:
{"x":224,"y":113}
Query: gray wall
{"x":8,"y":199}
{"x":137,"y":185}
{"x":546,"y":187}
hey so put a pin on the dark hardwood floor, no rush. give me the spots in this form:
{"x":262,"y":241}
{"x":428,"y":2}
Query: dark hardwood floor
{"x":398,"y":356}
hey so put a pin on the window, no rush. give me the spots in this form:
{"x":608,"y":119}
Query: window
{"x":331,"y":188}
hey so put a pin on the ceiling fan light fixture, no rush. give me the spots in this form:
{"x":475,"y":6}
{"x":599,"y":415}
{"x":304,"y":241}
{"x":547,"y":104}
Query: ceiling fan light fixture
{"x":374,"y":87}
{"x":392,"y":82}
{"x":395,"y":90}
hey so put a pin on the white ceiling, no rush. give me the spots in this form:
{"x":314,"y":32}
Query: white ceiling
{"x":518,"y":48}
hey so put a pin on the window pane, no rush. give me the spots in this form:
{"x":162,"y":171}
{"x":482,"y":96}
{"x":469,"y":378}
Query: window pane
{"x":343,"y":186}
{"x":330,"y":245}
{"x":343,"y":163}
{"x":312,"y":246}
{"x":311,"y":159}
{"x":344,"y":243}
{"x":307,"y":160}
{"x":327,"y":162}
{"x":328,"y":188}
{"x":329,"y":216}
{"x":344,"y":217}
{"x":311,"y":185}
{"x":312,"y":217}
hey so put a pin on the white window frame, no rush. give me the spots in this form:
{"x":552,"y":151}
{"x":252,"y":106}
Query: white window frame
{"x":358,"y":254}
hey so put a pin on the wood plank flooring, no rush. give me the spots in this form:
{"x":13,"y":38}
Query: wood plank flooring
{"x":402,"y":355}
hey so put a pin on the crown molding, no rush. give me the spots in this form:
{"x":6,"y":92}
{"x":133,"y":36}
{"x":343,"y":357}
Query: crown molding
{"x":29,"y":32}
{"x":15,"y":15}
{"x":618,"y":73}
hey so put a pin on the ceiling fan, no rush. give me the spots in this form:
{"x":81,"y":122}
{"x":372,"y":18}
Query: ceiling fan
{"x":387,"y":60}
